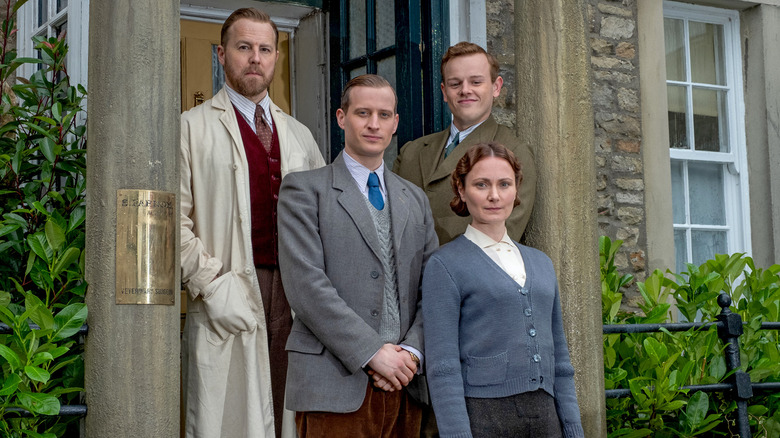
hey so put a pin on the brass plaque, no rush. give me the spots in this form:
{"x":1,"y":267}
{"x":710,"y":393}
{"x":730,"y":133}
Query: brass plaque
{"x":145,"y":253}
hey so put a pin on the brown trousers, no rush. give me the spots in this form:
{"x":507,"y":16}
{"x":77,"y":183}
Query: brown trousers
{"x":382,"y":415}
{"x":278,"y":320}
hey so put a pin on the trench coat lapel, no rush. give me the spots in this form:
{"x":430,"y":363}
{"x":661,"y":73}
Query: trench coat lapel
{"x":228,"y":118}
{"x":354,"y":203}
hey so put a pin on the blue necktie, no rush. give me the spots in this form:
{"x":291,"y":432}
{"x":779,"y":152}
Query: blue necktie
{"x":374,"y":195}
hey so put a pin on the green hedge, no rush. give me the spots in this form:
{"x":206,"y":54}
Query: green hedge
{"x":655,"y":365}
{"x":42,"y":211}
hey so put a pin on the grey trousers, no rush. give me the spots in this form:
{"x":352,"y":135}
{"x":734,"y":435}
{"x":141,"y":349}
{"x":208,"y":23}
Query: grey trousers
{"x":530,"y":414}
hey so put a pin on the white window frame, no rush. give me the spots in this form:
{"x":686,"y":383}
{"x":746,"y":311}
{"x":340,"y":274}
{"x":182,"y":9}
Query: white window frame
{"x":77,"y":14}
{"x":468,"y":22}
{"x":735,"y":174}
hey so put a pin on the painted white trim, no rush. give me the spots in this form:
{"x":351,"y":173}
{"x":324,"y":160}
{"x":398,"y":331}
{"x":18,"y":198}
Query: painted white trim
{"x":735,"y":173}
{"x":468,"y":22}
{"x":215,"y":15}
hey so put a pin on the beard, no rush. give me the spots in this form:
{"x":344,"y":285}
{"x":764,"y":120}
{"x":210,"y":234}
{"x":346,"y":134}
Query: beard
{"x":248,"y":86}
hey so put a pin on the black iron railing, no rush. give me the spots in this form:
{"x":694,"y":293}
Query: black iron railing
{"x":739,"y":387}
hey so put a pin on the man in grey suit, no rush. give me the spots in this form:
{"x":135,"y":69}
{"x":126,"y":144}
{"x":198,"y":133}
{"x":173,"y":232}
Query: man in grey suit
{"x":354,"y":239}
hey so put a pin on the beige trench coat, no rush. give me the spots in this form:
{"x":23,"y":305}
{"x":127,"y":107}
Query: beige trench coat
{"x":225,"y":365}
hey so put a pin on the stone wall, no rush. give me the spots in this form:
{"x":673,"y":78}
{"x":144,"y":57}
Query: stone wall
{"x":501,"y":44}
{"x":615,"y":88}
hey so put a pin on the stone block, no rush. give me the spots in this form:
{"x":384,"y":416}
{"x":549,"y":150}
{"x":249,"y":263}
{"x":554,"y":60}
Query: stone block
{"x":617,"y":28}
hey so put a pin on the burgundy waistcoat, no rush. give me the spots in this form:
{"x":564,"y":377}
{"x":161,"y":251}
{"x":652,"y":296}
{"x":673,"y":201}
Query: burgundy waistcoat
{"x":265,"y":176}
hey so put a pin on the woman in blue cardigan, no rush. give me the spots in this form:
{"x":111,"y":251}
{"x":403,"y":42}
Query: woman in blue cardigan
{"x":497,"y":359}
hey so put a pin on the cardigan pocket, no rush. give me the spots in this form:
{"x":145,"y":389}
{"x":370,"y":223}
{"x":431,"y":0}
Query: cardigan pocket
{"x":485,"y":371}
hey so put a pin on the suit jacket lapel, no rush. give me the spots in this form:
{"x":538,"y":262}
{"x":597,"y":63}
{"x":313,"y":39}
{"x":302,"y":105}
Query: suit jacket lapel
{"x":354,"y":203}
{"x":484,"y":133}
{"x":429,"y":155}
{"x":399,"y":207}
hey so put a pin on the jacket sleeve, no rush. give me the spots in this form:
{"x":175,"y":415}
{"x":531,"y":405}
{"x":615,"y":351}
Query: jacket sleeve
{"x":565,"y":394}
{"x":441,"y":310}
{"x":311,"y":294}
{"x":198,"y":267}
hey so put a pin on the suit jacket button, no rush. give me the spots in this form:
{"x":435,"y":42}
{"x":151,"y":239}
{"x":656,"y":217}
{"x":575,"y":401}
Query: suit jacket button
{"x":374,"y":274}
{"x":374,"y":313}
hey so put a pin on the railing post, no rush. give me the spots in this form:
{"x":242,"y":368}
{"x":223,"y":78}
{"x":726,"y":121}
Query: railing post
{"x":742,"y":389}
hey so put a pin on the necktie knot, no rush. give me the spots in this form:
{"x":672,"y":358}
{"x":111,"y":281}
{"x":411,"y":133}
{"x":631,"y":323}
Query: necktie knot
{"x":455,"y":141}
{"x":374,"y":194}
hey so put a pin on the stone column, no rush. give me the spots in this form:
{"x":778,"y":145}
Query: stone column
{"x":132,"y":351}
{"x":555,"y":115}
{"x":760,"y":27}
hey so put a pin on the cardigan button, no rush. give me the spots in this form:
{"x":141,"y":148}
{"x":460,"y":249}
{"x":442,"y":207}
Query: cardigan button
{"x":374,"y":274}
{"x":523,"y":291}
{"x":374,"y":313}
{"x":537,"y":358}
{"x":532,"y":332}
{"x":527,"y":312}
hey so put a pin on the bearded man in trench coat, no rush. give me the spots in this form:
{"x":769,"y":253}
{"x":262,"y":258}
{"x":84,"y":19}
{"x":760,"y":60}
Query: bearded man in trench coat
{"x":230,"y":175}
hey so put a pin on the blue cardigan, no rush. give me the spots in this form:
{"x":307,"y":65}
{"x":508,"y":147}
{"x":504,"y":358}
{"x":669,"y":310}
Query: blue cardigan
{"x":487,"y":337}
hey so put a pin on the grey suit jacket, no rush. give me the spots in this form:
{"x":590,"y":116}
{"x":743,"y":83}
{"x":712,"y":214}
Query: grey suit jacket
{"x":330,"y":264}
{"x":419,"y":162}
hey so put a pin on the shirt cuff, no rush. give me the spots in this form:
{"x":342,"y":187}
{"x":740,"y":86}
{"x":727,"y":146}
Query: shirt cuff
{"x":416,"y":353}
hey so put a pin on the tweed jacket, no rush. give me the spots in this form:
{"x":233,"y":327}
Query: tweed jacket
{"x":332,"y":273}
{"x":488,"y":337}
{"x":419,"y":162}
{"x":227,"y":383}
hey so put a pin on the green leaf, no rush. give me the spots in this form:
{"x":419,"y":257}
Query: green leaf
{"x":43,"y":404}
{"x":697,"y":408}
{"x":70,"y":256}
{"x":54,"y":235}
{"x":38,"y":312}
{"x":37,"y":374}
{"x":76,"y":218}
{"x":11,"y":357}
{"x":69,"y":320}
{"x":37,"y":246}
{"x":10,"y":385}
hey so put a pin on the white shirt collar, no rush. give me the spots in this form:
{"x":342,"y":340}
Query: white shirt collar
{"x":247,"y":108}
{"x":360,"y":174}
{"x":463,"y":134}
{"x":482,"y":240}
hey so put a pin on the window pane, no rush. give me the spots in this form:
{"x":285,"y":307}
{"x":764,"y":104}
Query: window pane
{"x":705,"y":182}
{"x":705,"y":244}
{"x":357,"y":28}
{"x":674,"y":39}
{"x":680,"y":250}
{"x":217,"y":72}
{"x":61,"y":4}
{"x":357,"y":72}
{"x":386,"y":69}
{"x":678,"y":193}
{"x":709,"y":120}
{"x":678,"y":128}
{"x":706,"y":53}
{"x":43,"y":12}
{"x":385,"y":23}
